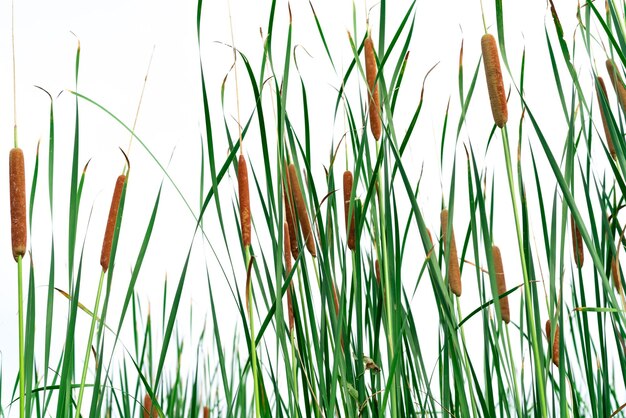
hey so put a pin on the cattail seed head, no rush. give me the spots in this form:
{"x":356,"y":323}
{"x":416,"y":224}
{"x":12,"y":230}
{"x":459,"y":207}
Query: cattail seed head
{"x":454,"y":272}
{"x":303,"y":217}
{"x":148,"y":410}
{"x":244,"y":201}
{"x":107,"y":242}
{"x":371,"y":72}
{"x":17,"y":192}
{"x":617,"y":276}
{"x":505,"y":313}
{"x":555,"y":345}
{"x":495,"y":85}
{"x":577,"y":243}
{"x":293,"y":239}
{"x":618,"y":84}
{"x":377,"y":271}
{"x":601,"y":90}
{"x":347,"y":191}
{"x":205,"y":412}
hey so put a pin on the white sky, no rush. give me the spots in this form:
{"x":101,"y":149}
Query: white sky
{"x":117,"y":39}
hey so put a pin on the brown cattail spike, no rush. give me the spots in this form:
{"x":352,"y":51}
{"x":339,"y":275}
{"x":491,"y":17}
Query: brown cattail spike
{"x":17,"y":192}
{"x":617,"y":276}
{"x":293,"y":239}
{"x":504,"y":302}
{"x":601,"y":90}
{"x":377,"y":271}
{"x":618,"y":84}
{"x":111,"y":221}
{"x":371,"y":72}
{"x":454,"y":272}
{"x":347,"y":191}
{"x":577,"y":244}
{"x":303,"y":217}
{"x":495,"y":85}
{"x":205,"y":412}
{"x":555,"y":346}
{"x":148,"y":410}
{"x":244,"y":201}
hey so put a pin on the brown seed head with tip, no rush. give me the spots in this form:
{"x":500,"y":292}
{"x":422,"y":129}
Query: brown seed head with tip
{"x":617,"y":276}
{"x":601,"y":90}
{"x":17,"y":192}
{"x":244,"y":201}
{"x":347,"y":191}
{"x":111,"y":221}
{"x":555,"y":346}
{"x":454,"y":272}
{"x":495,"y":85}
{"x":371,"y":72}
{"x":205,"y":412}
{"x":618,"y":84}
{"x":505,"y":313}
{"x":303,"y":216}
{"x":577,"y":244}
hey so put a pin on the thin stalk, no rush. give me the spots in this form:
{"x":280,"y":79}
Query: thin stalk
{"x":529,"y":312}
{"x":513,"y":373}
{"x":20,"y":307}
{"x":89,"y":342}
{"x":255,"y":371}
{"x":466,"y":361}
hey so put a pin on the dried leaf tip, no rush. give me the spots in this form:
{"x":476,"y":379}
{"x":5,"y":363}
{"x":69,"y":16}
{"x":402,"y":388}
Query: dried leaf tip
{"x":454,"y":272}
{"x":555,"y":344}
{"x":17,"y":192}
{"x":347,"y":192}
{"x":300,"y":206}
{"x":107,"y":242}
{"x":371,"y":72}
{"x":505,"y":312}
{"x":244,"y":201}
{"x":495,"y":85}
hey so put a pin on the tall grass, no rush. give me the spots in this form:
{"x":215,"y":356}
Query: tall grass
{"x":344,"y":303}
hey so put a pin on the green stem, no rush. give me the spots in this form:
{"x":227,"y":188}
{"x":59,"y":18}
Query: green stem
{"x":20,"y":307}
{"x":255,"y":371}
{"x":529,"y":310}
{"x":94,"y":315}
{"x":466,"y":361}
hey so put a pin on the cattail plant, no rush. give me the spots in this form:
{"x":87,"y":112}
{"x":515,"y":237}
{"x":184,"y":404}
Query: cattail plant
{"x":148,"y":410}
{"x":347,"y":192}
{"x":495,"y":85}
{"x":501,"y":281}
{"x":618,"y":84}
{"x":303,"y":217}
{"x":107,"y":242}
{"x":244,"y":201}
{"x":555,"y":345}
{"x":371,"y":72}
{"x":601,"y":90}
{"x":615,"y":272}
{"x":17,"y":191}
{"x":454,"y":272}
{"x":577,"y":244}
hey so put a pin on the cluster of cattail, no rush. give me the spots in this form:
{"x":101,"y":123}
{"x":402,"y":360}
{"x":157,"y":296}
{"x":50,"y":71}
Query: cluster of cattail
{"x":17,"y":192}
{"x":495,"y":85}
{"x":244,"y":201}
{"x":454,"y":272}
{"x":347,"y":192}
{"x":148,"y":410}
{"x":107,"y":242}
{"x":500,"y":280}
{"x":297,"y":199}
{"x":371,"y":72}
{"x":555,"y":343}
{"x":577,"y":244}
{"x":601,"y":90}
